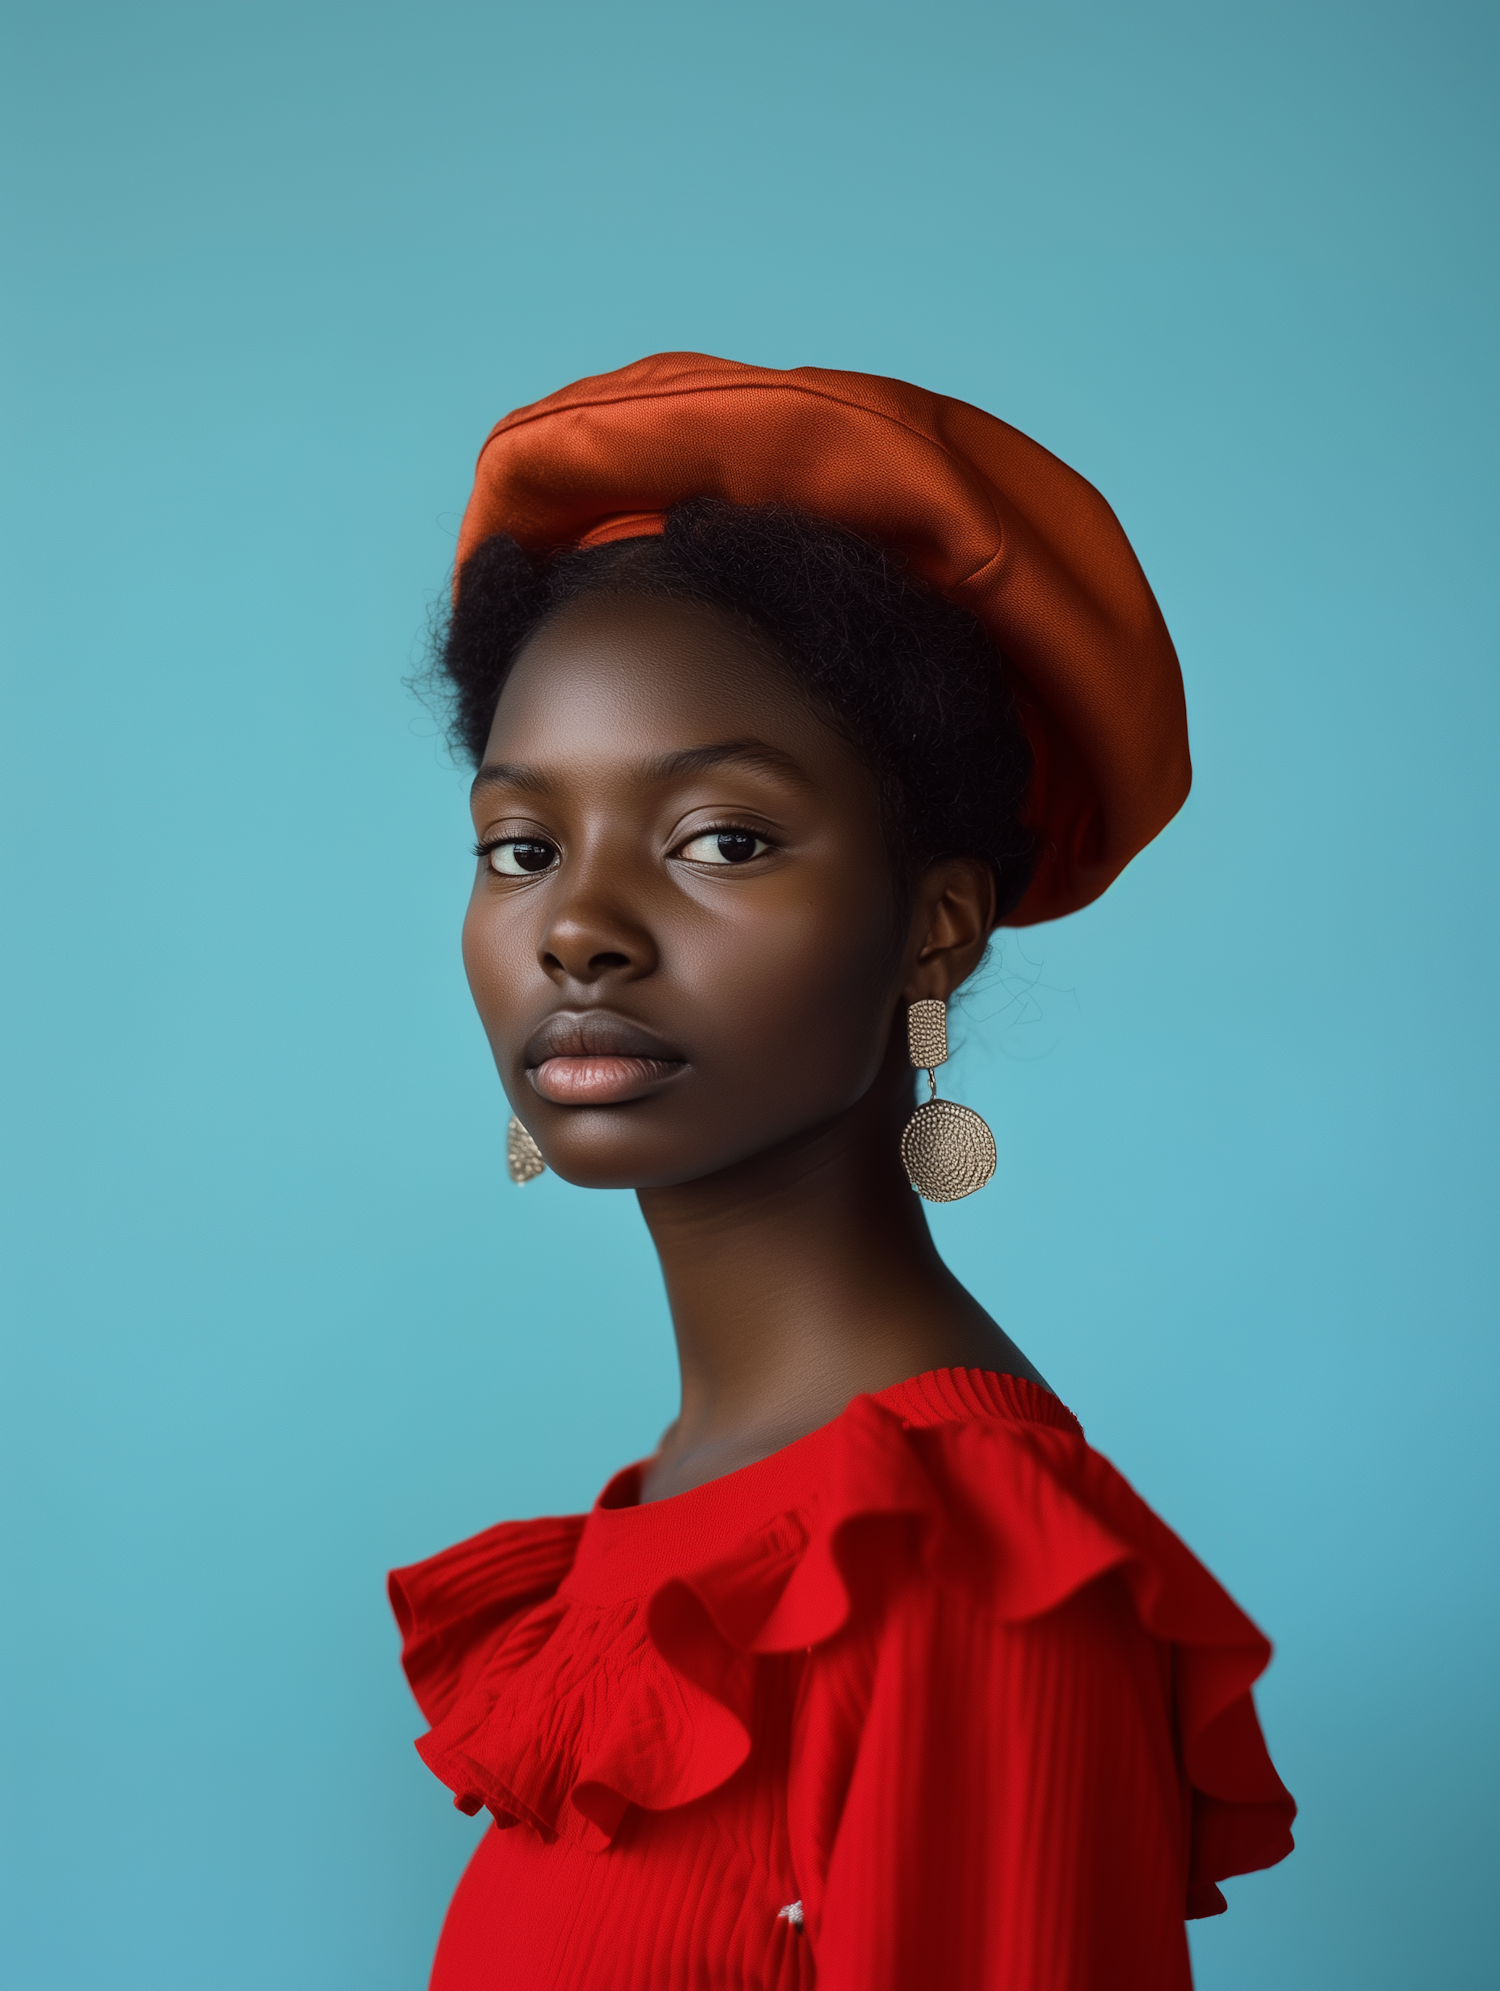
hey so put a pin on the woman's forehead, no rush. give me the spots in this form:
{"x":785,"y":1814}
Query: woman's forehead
{"x":627,"y":675}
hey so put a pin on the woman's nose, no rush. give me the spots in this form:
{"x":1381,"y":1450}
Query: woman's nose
{"x":589,"y":939}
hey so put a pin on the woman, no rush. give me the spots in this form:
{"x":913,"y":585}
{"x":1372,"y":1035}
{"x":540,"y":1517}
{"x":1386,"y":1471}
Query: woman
{"x":784,"y":690}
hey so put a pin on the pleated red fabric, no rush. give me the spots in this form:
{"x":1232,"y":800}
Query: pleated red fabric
{"x":928,"y":1697}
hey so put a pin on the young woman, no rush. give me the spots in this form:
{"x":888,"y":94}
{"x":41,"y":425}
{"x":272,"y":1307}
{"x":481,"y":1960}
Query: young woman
{"x":784,"y":690}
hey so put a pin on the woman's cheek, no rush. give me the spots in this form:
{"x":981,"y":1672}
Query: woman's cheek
{"x":496,"y":952}
{"x":802,"y":982}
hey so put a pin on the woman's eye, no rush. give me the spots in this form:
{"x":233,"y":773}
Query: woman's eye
{"x":724,"y":847}
{"x":518,"y":857}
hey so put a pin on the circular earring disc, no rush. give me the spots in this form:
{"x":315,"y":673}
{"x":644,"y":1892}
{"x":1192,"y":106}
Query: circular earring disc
{"x":948,"y":1151}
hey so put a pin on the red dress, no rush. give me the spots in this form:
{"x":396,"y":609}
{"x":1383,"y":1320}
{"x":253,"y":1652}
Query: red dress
{"x":928,"y":1698}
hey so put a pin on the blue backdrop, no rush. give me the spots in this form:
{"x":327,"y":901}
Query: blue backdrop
{"x":275,"y":1318}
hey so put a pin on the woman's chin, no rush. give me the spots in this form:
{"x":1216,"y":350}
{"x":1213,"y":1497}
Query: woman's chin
{"x":589,"y":1152}
{"x":594,"y":1170}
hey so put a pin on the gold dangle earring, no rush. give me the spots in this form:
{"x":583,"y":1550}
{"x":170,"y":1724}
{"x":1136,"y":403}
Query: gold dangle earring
{"x":523,"y":1158}
{"x":948,"y":1150}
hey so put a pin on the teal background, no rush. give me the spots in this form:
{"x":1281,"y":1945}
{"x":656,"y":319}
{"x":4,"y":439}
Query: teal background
{"x":274,"y":1318}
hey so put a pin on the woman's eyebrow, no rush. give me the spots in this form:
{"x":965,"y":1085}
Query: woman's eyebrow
{"x":757,"y":754}
{"x":511,"y":774}
{"x":741,"y":753}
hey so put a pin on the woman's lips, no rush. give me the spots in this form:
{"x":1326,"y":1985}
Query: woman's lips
{"x":595,"y":1080}
{"x":593,"y":1057}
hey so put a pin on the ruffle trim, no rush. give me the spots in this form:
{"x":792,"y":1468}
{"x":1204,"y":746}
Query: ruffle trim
{"x":553,"y":1710}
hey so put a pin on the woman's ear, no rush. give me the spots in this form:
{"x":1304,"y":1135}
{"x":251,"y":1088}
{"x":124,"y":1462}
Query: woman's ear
{"x":953,"y":915}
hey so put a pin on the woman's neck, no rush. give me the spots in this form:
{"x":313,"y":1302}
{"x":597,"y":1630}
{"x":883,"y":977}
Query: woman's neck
{"x":799,"y":1279}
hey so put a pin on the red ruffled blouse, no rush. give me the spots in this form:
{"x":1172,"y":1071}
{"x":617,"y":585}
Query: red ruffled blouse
{"x":930,"y":1697}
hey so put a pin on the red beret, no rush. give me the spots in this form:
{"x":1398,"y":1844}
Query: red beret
{"x":978,"y":510}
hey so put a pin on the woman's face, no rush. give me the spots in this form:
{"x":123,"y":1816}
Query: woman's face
{"x":684,"y":938}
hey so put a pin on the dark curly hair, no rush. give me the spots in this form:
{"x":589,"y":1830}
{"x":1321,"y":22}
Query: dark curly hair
{"x":907,"y":676}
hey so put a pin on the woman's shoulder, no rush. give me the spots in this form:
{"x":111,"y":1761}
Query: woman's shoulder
{"x":960,"y":1538}
{"x":1019,"y":1507}
{"x":984,"y":1483}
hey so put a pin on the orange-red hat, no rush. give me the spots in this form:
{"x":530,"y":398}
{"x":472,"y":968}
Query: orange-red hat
{"x":977,"y":509}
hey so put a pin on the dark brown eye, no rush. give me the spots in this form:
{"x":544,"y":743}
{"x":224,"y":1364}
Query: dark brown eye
{"x":518,"y":856}
{"x":725,"y":847}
